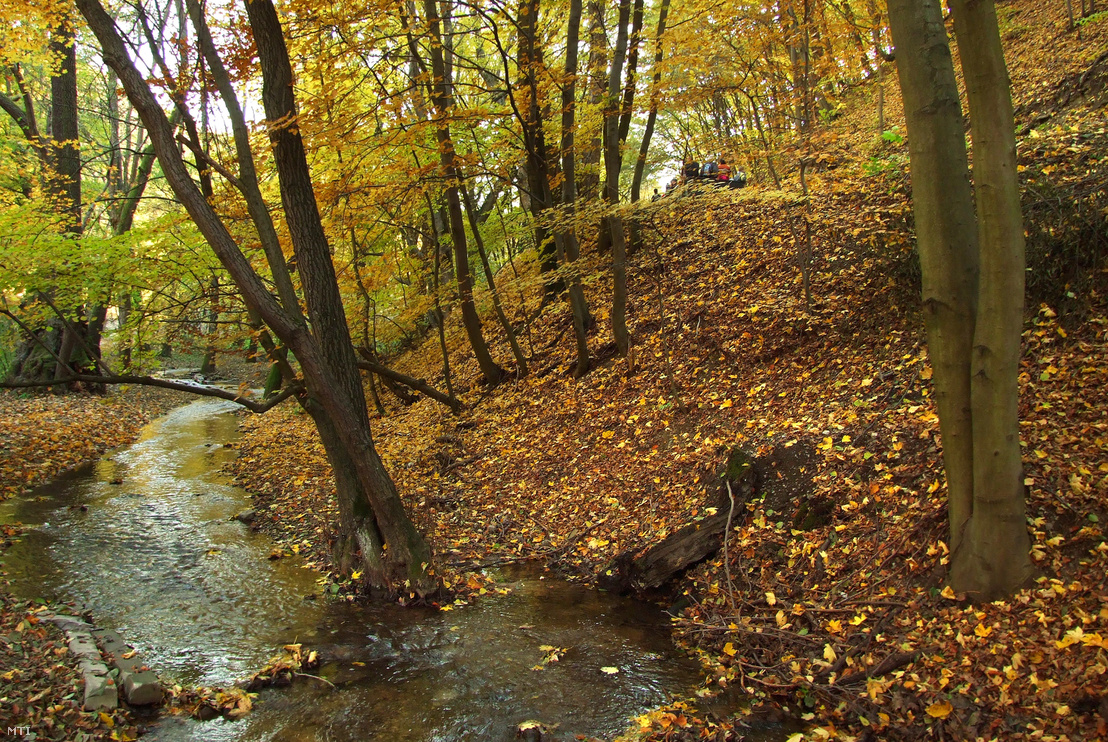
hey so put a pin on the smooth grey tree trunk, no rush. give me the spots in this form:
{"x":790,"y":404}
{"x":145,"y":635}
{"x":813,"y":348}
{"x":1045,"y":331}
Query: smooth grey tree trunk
{"x":970,"y":316}
{"x":994,"y":556}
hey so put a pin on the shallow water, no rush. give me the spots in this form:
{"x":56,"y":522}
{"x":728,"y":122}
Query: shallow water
{"x":155,"y":554}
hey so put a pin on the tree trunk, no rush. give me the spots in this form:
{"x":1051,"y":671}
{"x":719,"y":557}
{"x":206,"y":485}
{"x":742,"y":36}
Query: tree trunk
{"x":948,"y":244}
{"x":589,"y":186}
{"x":570,"y":252}
{"x":993,"y":559}
{"x":612,"y":161}
{"x":443,"y":101}
{"x":474,"y":227}
{"x":652,"y":115}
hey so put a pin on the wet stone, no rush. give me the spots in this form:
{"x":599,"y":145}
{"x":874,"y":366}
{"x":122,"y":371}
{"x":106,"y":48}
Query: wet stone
{"x":100,"y":692}
{"x":141,"y":688}
{"x":140,"y":685}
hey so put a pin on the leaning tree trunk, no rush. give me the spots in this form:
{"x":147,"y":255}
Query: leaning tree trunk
{"x":994,"y":556}
{"x":384,"y":518}
{"x":326,"y":356}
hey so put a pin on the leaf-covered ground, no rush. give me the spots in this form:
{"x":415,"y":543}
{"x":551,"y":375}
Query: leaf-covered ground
{"x":831,"y":603}
{"x":43,"y":435}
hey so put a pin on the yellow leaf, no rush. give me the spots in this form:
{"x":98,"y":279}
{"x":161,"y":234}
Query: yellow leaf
{"x":829,"y":653}
{"x":607,"y":434}
{"x":729,"y":649}
{"x":109,"y":722}
{"x":948,"y":592}
{"x":726,"y":403}
{"x":940,"y":710}
{"x":771,"y":598}
{"x":982,"y":630}
{"x":355,"y":575}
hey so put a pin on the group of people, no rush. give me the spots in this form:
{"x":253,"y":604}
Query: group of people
{"x":708,"y":173}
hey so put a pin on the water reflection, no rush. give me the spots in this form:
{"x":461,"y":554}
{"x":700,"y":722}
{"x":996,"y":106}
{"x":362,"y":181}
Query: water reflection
{"x":143,"y":539}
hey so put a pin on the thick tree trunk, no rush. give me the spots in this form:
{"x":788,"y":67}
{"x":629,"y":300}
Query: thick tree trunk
{"x":946,"y":232}
{"x":994,"y":556}
{"x":384,"y":517}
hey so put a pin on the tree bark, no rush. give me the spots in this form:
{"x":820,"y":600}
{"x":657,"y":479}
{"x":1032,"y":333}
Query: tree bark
{"x":652,"y":115}
{"x":589,"y":186}
{"x":443,"y":101}
{"x":946,"y":232}
{"x":612,"y":161}
{"x":570,"y":252}
{"x":474,"y":227}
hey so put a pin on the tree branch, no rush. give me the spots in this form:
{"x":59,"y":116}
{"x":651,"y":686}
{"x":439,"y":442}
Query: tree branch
{"x":418,"y":384}
{"x":180,"y":386}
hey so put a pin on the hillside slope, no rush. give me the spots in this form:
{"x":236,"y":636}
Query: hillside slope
{"x":831,"y":601}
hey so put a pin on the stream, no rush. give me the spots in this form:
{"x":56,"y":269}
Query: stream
{"x":144,"y":540}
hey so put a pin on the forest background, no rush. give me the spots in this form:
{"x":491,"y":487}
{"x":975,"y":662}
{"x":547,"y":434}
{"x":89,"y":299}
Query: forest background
{"x":783,"y":318}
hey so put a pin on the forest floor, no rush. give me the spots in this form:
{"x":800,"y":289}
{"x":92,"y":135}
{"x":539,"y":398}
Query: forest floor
{"x":828,"y":602}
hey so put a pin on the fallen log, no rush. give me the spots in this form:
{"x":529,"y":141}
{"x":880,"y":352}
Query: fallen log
{"x":660,"y":563}
{"x":632,"y":571}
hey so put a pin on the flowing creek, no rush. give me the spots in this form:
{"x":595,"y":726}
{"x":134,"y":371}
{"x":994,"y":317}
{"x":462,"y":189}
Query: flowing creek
{"x":144,"y":540}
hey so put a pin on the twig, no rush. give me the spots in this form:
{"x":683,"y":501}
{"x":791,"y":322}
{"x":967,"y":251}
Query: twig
{"x":726,"y":541}
{"x":306,"y":675}
{"x":203,"y":391}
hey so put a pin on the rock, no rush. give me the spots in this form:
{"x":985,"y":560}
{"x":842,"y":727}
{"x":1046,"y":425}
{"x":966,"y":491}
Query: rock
{"x":533,"y":731}
{"x":100,"y":692}
{"x":140,"y":685}
{"x":83,"y":646}
{"x":68,"y":623}
{"x":246,"y":516}
{"x":141,"y":688}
